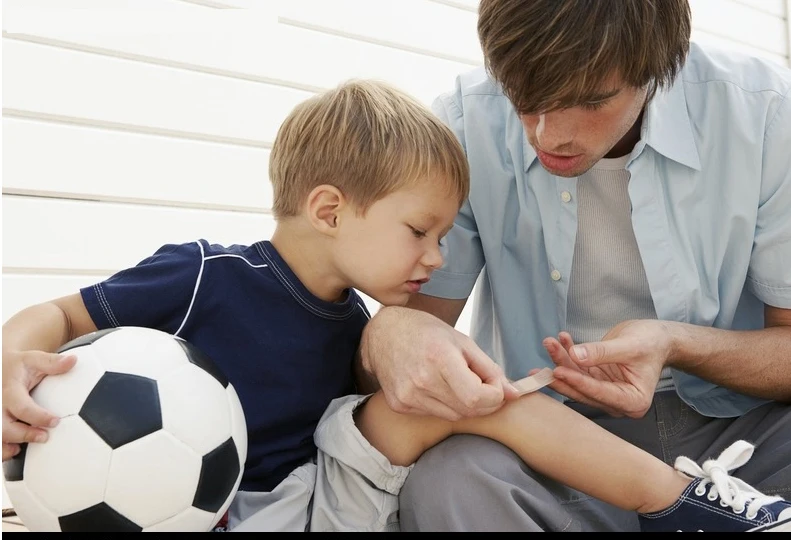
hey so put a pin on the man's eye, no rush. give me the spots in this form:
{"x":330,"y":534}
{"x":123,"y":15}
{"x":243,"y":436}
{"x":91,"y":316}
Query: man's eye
{"x":594,"y":105}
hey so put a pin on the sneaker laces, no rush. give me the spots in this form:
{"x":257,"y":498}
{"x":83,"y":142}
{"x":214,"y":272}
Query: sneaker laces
{"x":732,"y":491}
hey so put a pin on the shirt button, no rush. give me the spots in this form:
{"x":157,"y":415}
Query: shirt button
{"x":565,"y":196}
{"x":555,"y":275}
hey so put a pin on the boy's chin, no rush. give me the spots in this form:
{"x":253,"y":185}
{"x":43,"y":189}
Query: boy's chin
{"x":391,"y":300}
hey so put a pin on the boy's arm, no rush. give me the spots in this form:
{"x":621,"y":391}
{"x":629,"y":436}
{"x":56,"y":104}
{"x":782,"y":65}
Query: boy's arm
{"x":365,"y":381}
{"x":30,"y":338}
{"x":549,"y":436}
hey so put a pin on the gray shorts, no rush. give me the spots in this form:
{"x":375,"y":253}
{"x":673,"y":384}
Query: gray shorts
{"x":350,"y":486}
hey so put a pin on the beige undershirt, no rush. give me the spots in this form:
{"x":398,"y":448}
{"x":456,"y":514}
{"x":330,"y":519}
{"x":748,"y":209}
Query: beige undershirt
{"x":608,"y":283}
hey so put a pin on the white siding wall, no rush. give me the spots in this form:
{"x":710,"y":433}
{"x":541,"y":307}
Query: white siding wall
{"x":131,"y":123}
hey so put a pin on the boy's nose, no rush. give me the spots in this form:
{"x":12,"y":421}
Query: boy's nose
{"x":432,"y":258}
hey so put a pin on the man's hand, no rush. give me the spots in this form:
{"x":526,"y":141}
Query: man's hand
{"x":617,"y":374}
{"x":23,"y":419}
{"x":425,"y":366}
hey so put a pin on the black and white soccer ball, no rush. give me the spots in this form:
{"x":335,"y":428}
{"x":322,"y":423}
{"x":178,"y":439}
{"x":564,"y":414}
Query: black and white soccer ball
{"x":152,"y":437}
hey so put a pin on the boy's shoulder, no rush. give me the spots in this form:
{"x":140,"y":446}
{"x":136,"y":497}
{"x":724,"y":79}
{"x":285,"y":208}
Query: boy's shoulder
{"x":203,"y":249}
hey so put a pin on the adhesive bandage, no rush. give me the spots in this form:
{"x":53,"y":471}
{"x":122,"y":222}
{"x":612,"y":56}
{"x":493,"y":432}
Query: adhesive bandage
{"x":534,"y":382}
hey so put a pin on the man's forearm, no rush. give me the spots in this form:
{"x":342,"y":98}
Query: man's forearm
{"x":754,"y":362}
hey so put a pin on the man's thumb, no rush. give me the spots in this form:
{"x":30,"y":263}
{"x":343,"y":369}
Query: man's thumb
{"x":589,"y":354}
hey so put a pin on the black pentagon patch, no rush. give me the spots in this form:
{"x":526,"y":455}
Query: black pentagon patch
{"x":218,"y":476}
{"x":14,"y":468}
{"x":202,"y":360}
{"x":97,"y":518}
{"x":87,"y":339}
{"x":122,"y":408}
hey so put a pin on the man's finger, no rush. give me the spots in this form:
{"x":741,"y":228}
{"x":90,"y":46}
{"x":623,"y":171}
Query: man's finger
{"x":479,"y":385}
{"x":560,"y":386}
{"x":487,"y":369}
{"x":602,"y":352}
{"x":434,"y":407}
{"x":490,"y":374}
{"x":565,"y":340}
{"x":472,"y":396}
{"x":22,"y":407}
{"x":568,"y":345}
{"x":606,"y":395}
{"x":558,"y":354}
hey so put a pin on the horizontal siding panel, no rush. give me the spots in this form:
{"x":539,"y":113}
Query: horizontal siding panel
{"x":83,"y":236}
{"x":325,"y":60}
{"x":408,"y":23}
{"x":315,"y":59}
{"x":741,"y":23}
{"x":470,"y":5}
{"x":704,"y":38}
{"x":50,"y":80}
{"x":775,"y":7}
{"x":84,"y":162}
{"x":23,"y":290}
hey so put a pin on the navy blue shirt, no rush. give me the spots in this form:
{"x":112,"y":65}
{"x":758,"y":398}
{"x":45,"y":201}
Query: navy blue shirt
{"x":286,"y":352}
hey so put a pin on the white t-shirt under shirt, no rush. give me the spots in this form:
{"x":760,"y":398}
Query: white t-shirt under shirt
{"x":608,"y":283}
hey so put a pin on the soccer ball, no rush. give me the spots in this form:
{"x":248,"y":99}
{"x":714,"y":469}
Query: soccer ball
{"x":152,"y":437}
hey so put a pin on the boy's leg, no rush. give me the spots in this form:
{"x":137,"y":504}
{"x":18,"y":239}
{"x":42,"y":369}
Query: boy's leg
{"x":472,"y":483}
{"x":468,"y":483}
{"x":356,"y":486}
{"x":284,"y":509}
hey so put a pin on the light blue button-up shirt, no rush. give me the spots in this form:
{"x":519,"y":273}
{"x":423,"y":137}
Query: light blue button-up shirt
{"x":710,"y":191}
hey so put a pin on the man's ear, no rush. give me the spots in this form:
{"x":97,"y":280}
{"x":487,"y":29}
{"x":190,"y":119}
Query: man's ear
{"x":325,"y":204}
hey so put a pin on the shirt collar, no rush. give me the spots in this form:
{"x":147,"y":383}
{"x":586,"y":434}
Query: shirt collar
{"x":666,"y":128}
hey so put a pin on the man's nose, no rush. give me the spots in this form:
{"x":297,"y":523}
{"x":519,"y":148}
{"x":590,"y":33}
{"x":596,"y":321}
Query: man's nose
{"x":553,"y":130}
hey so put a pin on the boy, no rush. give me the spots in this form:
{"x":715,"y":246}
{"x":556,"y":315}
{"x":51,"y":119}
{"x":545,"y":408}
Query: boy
{"x":366,"y":184}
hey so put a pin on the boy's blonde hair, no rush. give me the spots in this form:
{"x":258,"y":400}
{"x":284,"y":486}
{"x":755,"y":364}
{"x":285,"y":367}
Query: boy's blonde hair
{"x":366,"y":138}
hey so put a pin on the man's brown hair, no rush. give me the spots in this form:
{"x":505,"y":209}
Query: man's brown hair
{"x":366,"y":138}
{"x":554,"y":54}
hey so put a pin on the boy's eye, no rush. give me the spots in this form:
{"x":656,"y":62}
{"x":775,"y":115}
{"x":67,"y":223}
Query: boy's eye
{"x":418,"y":233}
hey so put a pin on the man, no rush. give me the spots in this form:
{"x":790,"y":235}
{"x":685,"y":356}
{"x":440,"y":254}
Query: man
{"x":631,"y":193}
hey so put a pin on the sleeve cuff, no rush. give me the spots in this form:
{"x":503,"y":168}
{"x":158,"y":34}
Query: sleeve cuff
{"x":450,"y":285}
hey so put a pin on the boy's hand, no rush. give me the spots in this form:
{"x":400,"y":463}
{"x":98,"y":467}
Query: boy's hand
{"x":23,"y":419}
{"x":427,"y":367}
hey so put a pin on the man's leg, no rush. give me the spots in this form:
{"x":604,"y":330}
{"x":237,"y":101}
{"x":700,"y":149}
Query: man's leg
{"x":471,"y":483}
{"x":686,"y":433}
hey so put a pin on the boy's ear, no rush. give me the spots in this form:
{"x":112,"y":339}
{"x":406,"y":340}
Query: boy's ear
{"x":325,"y":204}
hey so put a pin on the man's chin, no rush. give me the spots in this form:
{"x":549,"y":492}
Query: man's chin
{"x":579,"y":171}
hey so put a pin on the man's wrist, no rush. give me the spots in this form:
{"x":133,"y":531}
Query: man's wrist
{"x":681,"y":342}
